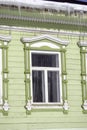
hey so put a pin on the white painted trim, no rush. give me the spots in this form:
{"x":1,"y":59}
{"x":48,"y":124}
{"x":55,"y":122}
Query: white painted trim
{"x":85,"y":105}
{"x":46,"y":107}
{"x":5,"y":38}
{"x":46,"y":85}
{"x":66,"y":106}
{"x":45,"y":69}
{"x":41,"y":44}
{"x":51,"y":31}
{"x":82,"y":43}
{"x":0,"y":76}
{"x":42,"y":37}
{"x":28,"y":106}
{"x":5,"y":43}
{"x":6,"y":106}
{"x":86,"y":67}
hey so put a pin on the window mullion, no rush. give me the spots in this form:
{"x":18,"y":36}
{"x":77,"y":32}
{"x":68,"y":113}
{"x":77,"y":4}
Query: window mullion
{"x":46,"y":86}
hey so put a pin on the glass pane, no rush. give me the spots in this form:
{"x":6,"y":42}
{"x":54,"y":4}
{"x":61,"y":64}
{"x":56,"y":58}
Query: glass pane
{"x":38,"y":86}
{"x":45,"y":60}
{"x":53,"y":86}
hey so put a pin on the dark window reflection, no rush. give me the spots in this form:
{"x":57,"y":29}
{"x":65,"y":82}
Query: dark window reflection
{"x":38,"y":86}
{"x":45,"y":60}
{"x":53,"y":86}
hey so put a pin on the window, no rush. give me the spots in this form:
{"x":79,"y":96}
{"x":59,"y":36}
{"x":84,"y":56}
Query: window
{"x":45,"y":72}
{"x":46,"y":77}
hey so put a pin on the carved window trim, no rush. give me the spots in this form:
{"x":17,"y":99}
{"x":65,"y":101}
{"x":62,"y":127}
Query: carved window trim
{"x":29,"y":44}
{"x":83,"y":55}
{"x":4,"y":40}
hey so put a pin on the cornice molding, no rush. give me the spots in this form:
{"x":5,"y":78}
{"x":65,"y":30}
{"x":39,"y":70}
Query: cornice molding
{"x":42,"y":37}
{"x":44,"y":30}
{"x":5,"y":38}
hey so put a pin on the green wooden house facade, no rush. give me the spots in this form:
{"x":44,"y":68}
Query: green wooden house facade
{"x":43,"y":66}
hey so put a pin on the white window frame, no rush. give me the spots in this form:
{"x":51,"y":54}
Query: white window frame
{"x":1,"y":76}
{"x":85,"y":78}
{"x":45,"y":69}
{"x":86,"y":66}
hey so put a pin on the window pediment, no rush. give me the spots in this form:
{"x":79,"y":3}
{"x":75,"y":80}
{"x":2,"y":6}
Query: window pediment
{"x":43,"y":44}
{"x":44,"y":37}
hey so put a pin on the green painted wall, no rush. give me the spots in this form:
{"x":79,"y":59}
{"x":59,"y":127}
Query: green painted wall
{"x":17,"y":119}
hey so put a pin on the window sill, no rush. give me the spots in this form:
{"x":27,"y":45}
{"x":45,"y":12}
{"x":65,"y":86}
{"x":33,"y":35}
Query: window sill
{"x":47,"y":106}
{"x":55,"y":106}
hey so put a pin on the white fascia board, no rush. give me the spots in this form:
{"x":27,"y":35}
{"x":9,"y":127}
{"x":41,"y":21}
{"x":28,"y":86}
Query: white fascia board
{"x":82,"y":44}
{"x":42,"y":37}
{"x":5,"y":38}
